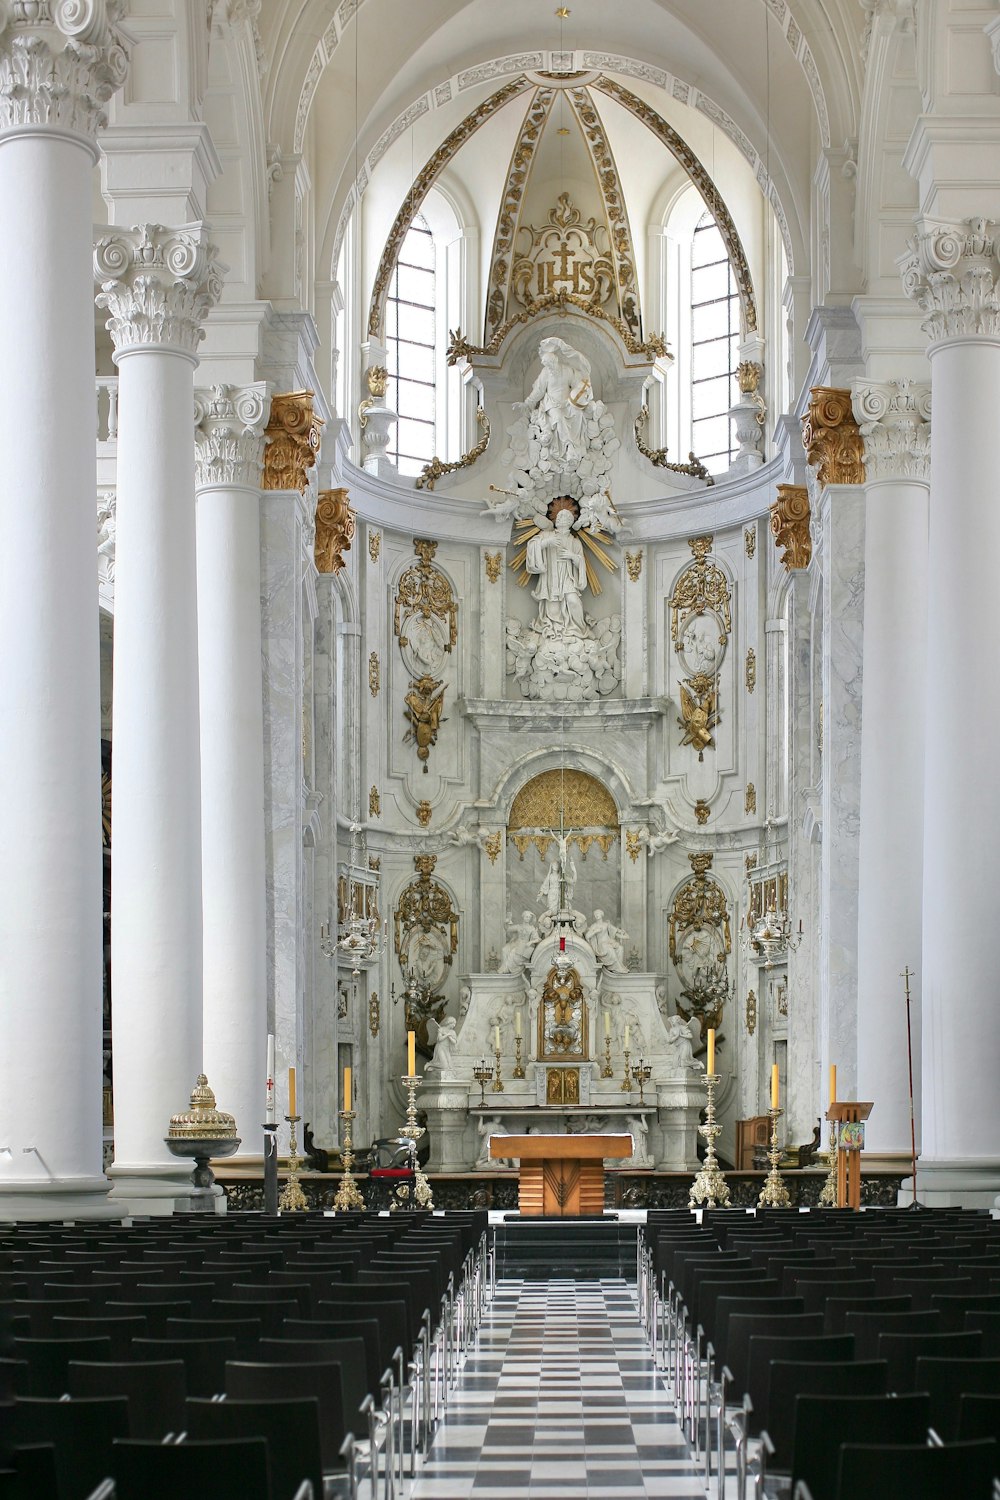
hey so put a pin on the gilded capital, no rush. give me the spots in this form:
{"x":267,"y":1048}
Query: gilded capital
{"x":831,"y":438}
{"x":335,"y":527}
{"x":790,"y":525}
{"x":293,"y":437}
{"x":159,"y":285}
{"x":229,"y":435}
{"x":60,"y":63}
{"x":893,"y":418}
{"x":952,"y":273}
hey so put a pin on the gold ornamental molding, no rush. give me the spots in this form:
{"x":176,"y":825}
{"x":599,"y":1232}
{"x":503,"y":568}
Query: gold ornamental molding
{"x":293,"y":437}
{"x":566,"y":799}
{"x":493,"y":562}
{"x":832,"y":438}
{"x":700,"y":942}
{"x":750,"y":799}
{"x":790,"y":525}
{"x":651,"y":348}
{"x":521,"y":159}
{"x":750,"y":541}
{"x":422,"y":185}
{"x":714,"y":201}
{"x":425,"y":621}
{"x":633,"y":563}
{"x":658,"y":456}
{"x":751,"y":669}
{"x":374,"y":545}
{"x":374,"y":674}
{"x":335,"y":530}
{"x":437,"y":468}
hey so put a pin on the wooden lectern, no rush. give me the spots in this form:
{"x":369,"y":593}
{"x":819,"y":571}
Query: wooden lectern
{"x":849,"y":1146}
{"x":561,"y":1174}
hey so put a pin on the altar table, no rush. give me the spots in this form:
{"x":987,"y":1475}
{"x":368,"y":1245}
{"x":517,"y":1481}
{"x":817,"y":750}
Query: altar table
{"x":561,"y":1175}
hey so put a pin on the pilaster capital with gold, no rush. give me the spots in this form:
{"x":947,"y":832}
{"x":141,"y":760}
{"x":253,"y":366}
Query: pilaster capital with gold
{"x":293,"y":436}
{"x":159,"y":285}
{"x":789,"y":512}
{"x":229,"y":423}
{"x":893,"y":418}
{"x":952,"y":272}
{"x":336,"y":524}
{"x":831,"y":438}
{"x":60,"y":63}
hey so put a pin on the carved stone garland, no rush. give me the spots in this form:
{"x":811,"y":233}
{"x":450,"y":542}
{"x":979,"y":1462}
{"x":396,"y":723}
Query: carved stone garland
{"x":425,"y":620}
{"x":700,"y":940}
{"x":426,"y":940}
{"x":700,"y":607}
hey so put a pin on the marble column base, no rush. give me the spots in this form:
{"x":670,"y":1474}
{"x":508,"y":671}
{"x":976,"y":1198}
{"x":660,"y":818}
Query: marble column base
{"x":673,"y":1135}
{"x":158,"y":1192}
{"x":962,"y":1183}
{"x":80,"y":1198}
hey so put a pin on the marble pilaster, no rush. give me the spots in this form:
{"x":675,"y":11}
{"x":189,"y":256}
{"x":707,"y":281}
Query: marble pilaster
{"x":56,"y":77}
{"x":893,"y":418}
{"x":952,"y":272}
{"x":229,"y":448}
{"x":158,"y":285}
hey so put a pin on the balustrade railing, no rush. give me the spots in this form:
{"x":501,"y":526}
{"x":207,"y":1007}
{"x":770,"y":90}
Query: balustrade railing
{"x":107,"y":408}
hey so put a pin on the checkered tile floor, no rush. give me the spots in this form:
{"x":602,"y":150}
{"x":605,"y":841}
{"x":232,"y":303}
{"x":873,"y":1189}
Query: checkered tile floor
{"x":560,"y":1398}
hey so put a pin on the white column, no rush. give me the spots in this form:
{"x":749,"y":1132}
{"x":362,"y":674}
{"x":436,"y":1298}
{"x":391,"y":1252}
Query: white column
{"x":54,"y":81}
{"x":158,"y":285}
{"x":893,"y":418}
{"x":229,"y":462}
{"x":952,"y":271}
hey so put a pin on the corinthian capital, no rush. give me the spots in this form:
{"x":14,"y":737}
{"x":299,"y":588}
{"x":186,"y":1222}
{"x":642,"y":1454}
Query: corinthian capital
{"x":893,"y":418}
{"x":60,"y":63}
{"x":229,"y":435}
{"x":293,"y":438}
{"x":159,"y":285}
{"x":952,"y":271}
{"x":830,"y":437}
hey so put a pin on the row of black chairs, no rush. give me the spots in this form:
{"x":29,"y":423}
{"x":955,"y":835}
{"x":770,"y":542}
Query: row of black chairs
{"x":183,"y":1332}
{"x":757,"y":1316}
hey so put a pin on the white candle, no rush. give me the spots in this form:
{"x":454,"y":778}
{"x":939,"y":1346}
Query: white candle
{"x":517,"y":1023}
{"x":496,"y":1038}
{"x":607,"y":1023}
{"x":626,"y":1036}
{"x":269,"y":1113}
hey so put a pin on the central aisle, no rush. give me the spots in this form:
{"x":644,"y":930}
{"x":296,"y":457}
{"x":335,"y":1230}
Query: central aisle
{"x":560,"y":1398}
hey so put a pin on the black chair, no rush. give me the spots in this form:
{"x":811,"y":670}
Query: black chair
{"x":902,"y":1473}
{"x":290,"y":1428}
{"x":246,"y":1332}
{"x":48,"y":1360}
{"x":270,"y":1315}
{"x":119,"y":1331}
{"x":902,"y":1350}
{"x":204,"y":1360}
{"x":33,"y":1473}
{"x":979,"y":1417}
{"x":789,"y":1379}
{"x":155,"y":1313}
{"x":349,"y":1353}
{"x":822,"y":1423}
{"x":868,"y":1327}
{"x":924,"y":1290}
{"x":81,"y":1432}
{"x":252,"y":1381}
{"x":953,"y":1309}
{"x":230,"y":1469}
{"x":155,"y":1392}
{"x":988,"y":1325}
{"x":41,"y":1312}
{"x":377,"y":1359}
{"x":947,"y":1380}
{"x":298,"y":1292}
{"x":836,"y":1309}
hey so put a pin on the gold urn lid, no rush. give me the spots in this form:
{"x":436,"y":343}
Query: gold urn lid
{"x":202,"y":1121}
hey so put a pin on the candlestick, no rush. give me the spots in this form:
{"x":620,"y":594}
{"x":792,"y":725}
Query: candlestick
{"x":270,"y":1117}
{"x":518,"y":1064}
{"x":709,"y":1188}
{"x":607,"y":1071}
{"x":411,"y":1059}
{"x":627,"y":1083}
{"x":291,"y":1093}
{"x":496,"y":1039}
{"x":293,"y":1199}
{"x":828,"y":1197}
{"x":774,"y":1194}
{"x":710,"y":1065}
{"x":482,"y":1074}
{"x":641,"y":1072}
{"x":348,"y":1197}
{"x":422,"y":1194}
{"x":497,"y":1080}
{"x":775,"y":1086}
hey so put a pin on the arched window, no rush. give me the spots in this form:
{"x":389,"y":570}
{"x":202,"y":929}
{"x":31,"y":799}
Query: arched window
{"x":715,"y":336}
{"x":410,"y":329}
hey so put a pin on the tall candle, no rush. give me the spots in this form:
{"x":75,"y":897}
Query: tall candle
{"x":711,"y":1050}
{"x":496,"y":1038}
{"x":833,"y":1083}
{"x":347,"y":1089}
{"x":607,"y":1023}
{"x":626,"y":1036}
{"x":774,"y":1086}
{"x":269,"y":1113}
{"x":291,"y":1092}
{"x":411,"y":1054}
{"x":517,"y":1023}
